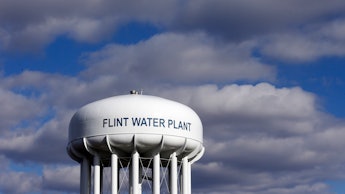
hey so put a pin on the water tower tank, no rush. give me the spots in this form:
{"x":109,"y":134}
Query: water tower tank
{"x":146,"y":142}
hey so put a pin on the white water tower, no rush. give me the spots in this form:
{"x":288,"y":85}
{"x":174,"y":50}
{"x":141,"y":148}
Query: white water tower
{"x":145,"y":144}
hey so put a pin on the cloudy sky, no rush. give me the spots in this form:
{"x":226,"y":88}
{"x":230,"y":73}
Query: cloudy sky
{"x":266,"y":77}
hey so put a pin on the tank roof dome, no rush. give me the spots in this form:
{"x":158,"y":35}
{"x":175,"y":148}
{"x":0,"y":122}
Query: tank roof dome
{"x":141,"y":122}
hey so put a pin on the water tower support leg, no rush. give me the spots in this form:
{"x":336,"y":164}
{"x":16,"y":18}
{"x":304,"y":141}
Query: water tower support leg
{"x":173,"y":174}
{"x":156,"y":174}
{"x":97,"y":175}
{"x":186,"y":181}
{"x":114,"y":174}
{"x":189,"y":172}
{"x":85,"y":176}
{"x":135,"y":174}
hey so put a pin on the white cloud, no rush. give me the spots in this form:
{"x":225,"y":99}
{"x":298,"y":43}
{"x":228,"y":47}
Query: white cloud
{"x":178,"y":58}
{"x":91,"y":30}
{"x":260,"y":130}
{"x":260,"y":108}
{"x":223,"y":179}
{"x":302,"y":47}
{"x":46,"y":145}
{"x":16,"y":109}
{"x":24,"y":28}
{"x":238,"y":20}
{"x":96,"y":20}
{"x":61,"y":178}
{"x":335,"y":30}
{"x":58,"y":91}
{"x":33,"y":37}
{"x":19,"y":182}
{"x":307,"y":44}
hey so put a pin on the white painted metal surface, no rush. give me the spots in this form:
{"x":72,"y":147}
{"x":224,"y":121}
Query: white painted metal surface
{"x":114,"y":173}
{"x":185,"y":176}
{"x":173,"y":174}
{"x":135,"y":187}
{"x":135,"y":126}
{"x":156,"y":174}
{"x":85,"y":175}
{"x":97,"y":175}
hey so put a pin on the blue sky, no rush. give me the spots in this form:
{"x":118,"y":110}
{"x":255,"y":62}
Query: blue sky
{"x":266,"y":77}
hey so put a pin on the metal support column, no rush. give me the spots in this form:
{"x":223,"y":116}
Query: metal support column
{"x":97,"y":175}
{"x":189,"y":172}
{"x":135,"y":187}
{"x":173,"y":174}
{"x":156,"y":174}
{"x":114,"y":174}
{"x":186,"y":181}
{"x":85,"y":176}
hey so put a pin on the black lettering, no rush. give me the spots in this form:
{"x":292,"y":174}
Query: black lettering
{"x":179,"y":125}
{"x":188,"y":126}
{"x":118,"y":122}
{"x":161,"y":122}
{"x":155,"y":122}
{"x":170,"y":123}
{"x":105,"y":121}
{"x":150,"y":121}
{"x":143,"y":122}
{"x":109,"y":124}
{"x":125,"y":118}
{"x":136,"y":121}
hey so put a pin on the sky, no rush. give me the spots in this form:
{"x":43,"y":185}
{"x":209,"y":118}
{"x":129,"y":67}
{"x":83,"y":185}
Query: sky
{"x":266,"y":78}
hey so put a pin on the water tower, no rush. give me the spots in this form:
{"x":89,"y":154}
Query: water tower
{"x":145,"y":144}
